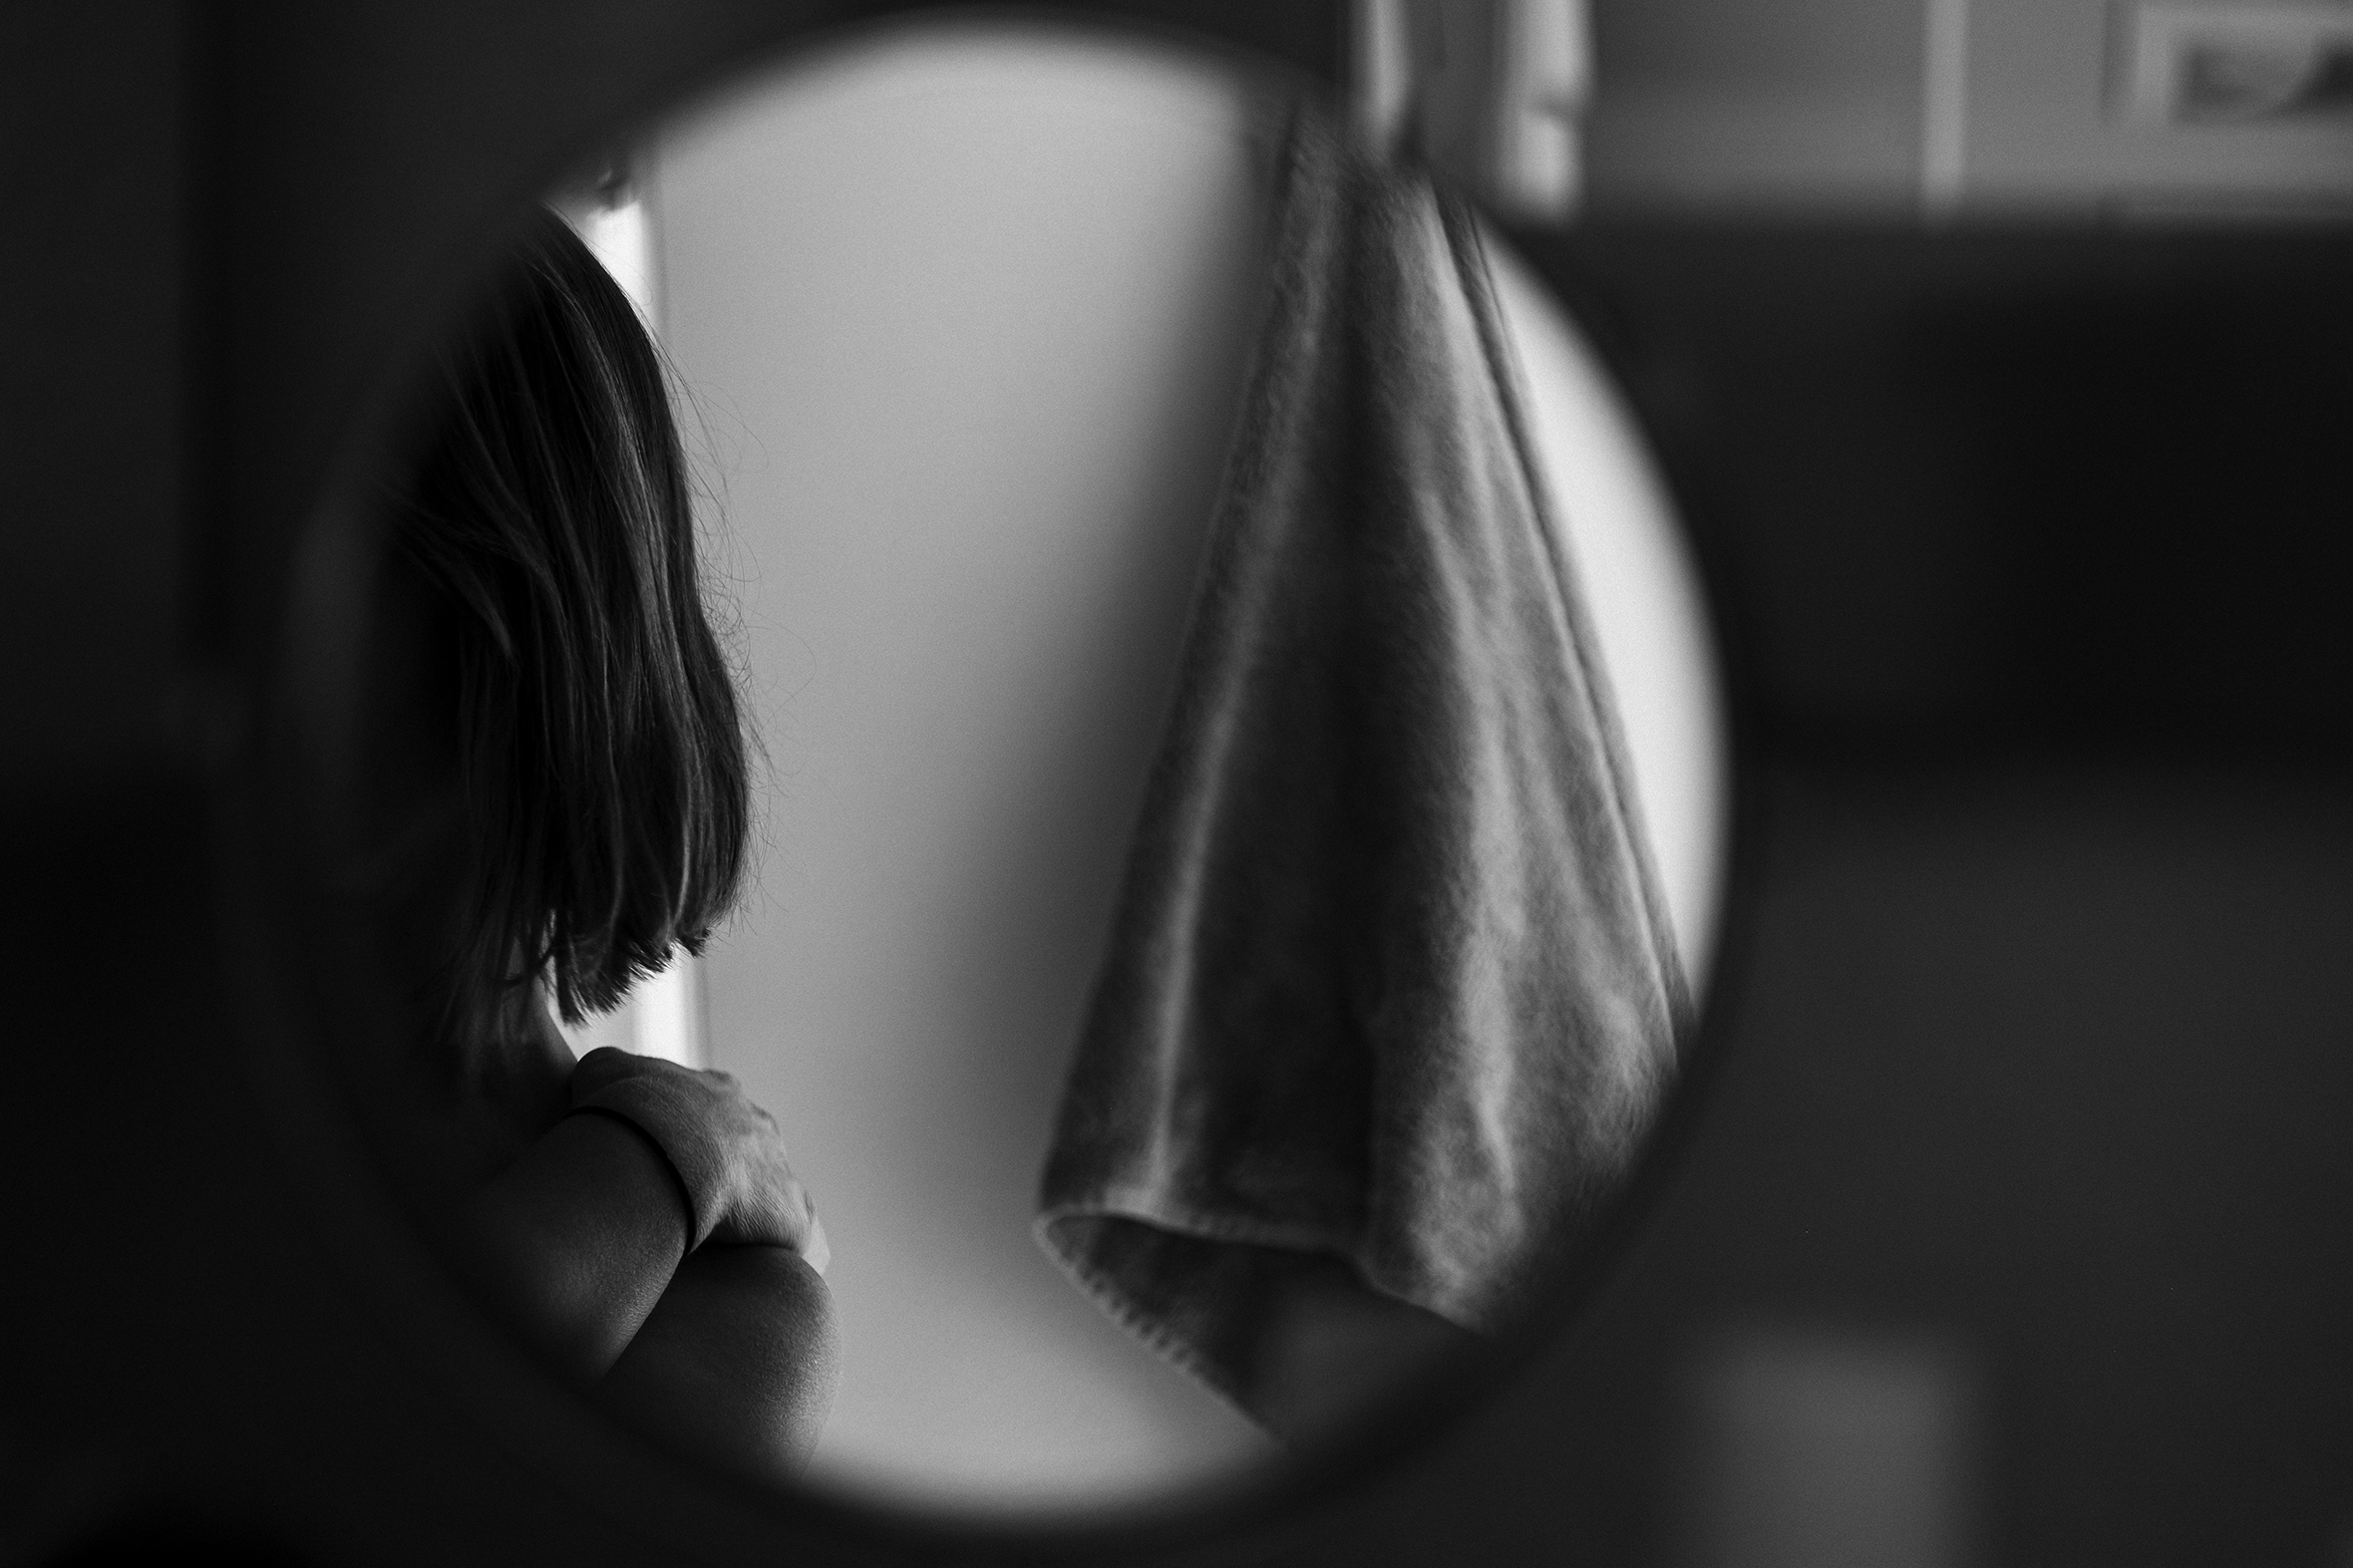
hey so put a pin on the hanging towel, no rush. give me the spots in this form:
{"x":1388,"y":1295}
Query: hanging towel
{"x":1390,"y":992}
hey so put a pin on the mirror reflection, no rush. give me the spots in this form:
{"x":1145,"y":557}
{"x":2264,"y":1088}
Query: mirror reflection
{"x":1045,"y":772}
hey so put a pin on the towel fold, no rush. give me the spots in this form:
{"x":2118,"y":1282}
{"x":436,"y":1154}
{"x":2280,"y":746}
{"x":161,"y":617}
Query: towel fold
{"x":1390,"y":997}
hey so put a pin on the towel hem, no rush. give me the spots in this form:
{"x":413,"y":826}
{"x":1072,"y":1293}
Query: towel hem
{"x":1136,"y":1206}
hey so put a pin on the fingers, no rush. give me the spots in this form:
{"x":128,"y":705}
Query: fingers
{"x":768,"y":1206}
{"x":726,"y":1149}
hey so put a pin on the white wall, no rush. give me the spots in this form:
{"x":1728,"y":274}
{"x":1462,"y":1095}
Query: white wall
{"x":966,"y":323}
{"x":1739,"y":104}
{"x":1732,"y":103}
{"x":2051,"y":126}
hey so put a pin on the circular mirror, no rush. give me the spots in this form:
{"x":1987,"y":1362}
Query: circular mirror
{"x":1041,"y":771}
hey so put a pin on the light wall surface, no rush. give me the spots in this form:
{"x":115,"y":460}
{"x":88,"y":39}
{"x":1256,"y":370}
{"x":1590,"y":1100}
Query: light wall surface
{"x":963,"y":324}
{"x":2007,"y":108}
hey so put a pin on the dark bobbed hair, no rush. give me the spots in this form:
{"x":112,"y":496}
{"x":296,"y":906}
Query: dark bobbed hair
{"x":604,"y":794}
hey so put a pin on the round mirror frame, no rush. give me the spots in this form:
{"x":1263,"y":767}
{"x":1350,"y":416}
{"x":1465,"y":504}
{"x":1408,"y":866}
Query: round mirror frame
{"x":298,"y":575}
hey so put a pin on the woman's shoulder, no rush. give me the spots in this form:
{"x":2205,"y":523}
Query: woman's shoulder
{"x":495,"y":1095}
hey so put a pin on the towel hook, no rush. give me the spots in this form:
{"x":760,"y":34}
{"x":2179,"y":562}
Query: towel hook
{"x":1489,"y":94}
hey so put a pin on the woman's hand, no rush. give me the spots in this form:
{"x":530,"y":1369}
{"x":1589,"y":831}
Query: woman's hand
{"x":583,"y":1232}
{"x":726,"y":1150}
{"x":725,"y":1350}
{"x":737,"y":1361}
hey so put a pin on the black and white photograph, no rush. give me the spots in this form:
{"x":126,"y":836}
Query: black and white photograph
{"x":1129,"y":783}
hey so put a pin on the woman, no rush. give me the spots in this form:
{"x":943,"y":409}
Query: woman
{"x":560,"y":799}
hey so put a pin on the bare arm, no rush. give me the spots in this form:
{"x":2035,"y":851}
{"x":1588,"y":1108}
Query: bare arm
{"x":738,"y":1362}
{"x":728,"y":1354}
{"x":580,"y":1237}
